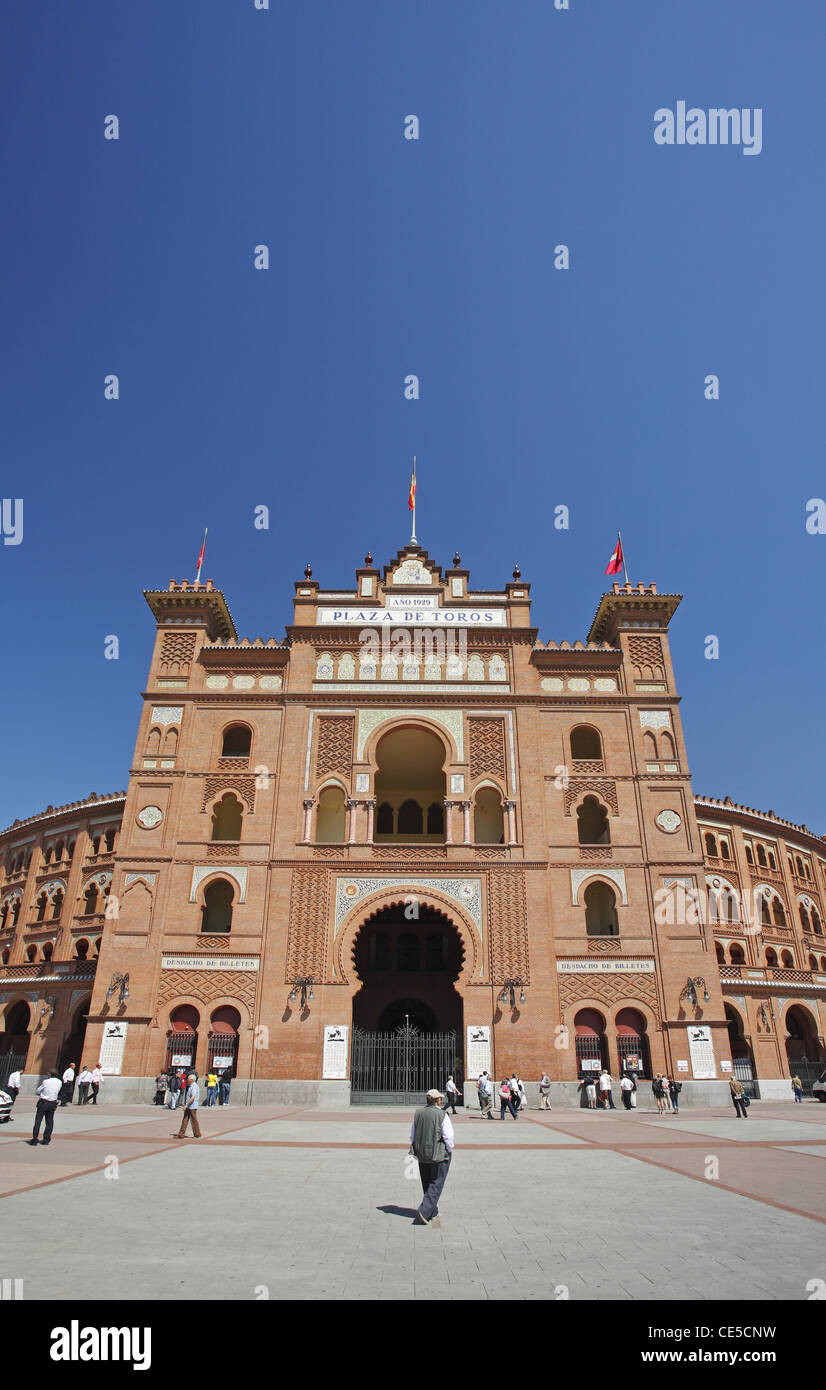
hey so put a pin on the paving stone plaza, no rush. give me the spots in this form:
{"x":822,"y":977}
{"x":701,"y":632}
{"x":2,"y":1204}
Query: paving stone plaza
{"x":285,"y":1203}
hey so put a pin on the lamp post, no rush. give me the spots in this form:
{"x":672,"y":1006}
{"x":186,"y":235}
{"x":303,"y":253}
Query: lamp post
{"x":509,"y":989}
{"x":121,"y":984}
{"x":305,"y":984}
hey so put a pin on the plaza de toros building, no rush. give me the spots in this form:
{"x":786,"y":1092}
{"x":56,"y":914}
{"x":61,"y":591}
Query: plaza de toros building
{"x":410,"y":838}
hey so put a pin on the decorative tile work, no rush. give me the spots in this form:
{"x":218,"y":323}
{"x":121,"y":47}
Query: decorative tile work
{"x":177,"y":651}
{"x":132,"y":877}
{"x":271,"y":682}
{"x":308,"y":926}
{"x":603,"y":787}
{"x":217,"y":682}
{"x":230,"y":782}
{"x":646,"y":655}
{"x":609,"y":988}
{"x":508,"y":925}
{"x":334,"y":752}
{"x":208,"y":985}
{"x":467,"y":892}
{"x":655,"y":719}
{"x":167,"y":714}
{"x":615,"y":876}
{"x":370,"y":719}
{"x":237,"y":872}
{"x":243,"y":682}
{"x":487,"y":748}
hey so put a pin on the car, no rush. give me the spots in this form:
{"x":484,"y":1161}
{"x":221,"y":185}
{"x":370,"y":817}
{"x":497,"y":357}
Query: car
{"x":6,"y":1103}
{"x":819,"y":1088}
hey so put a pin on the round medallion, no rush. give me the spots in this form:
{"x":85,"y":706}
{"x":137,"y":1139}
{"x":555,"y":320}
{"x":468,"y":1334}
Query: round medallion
{"x":467,"y":891}
{"x":351,"y":890}
{"x":149,"y":817}
{"x":217,"y":682}
{"x":669,"y":821}
{"x":243,"y":682}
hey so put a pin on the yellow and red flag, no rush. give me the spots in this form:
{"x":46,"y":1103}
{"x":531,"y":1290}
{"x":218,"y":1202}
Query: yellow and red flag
{"x":411,"y":501}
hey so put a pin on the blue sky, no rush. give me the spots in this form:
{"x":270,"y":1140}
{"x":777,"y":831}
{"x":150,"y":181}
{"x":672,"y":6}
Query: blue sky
{"x":538,"y":387}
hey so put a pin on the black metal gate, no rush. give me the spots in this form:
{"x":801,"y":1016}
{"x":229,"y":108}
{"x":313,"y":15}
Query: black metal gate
{"x":807,"y":1071}
{"x":744,"y":1072}
{"x":12,"y":1061}
{"x":399,"y":1068}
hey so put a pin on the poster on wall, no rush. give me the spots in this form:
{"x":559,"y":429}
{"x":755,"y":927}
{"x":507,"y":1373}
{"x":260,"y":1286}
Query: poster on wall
{"x":334,"y":1064}
{"x":590,"y":1064}
{"x":701,"y":1051}
{"x":478,"y":1051}
{"x":111,"y":1048}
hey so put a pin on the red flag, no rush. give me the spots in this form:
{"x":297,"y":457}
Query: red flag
{"x":201,"y":556}
{"x":411,"y":501}
{"x":616,"y":561}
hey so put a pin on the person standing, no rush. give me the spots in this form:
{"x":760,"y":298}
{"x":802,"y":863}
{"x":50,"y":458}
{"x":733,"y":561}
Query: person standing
{"x":161,"y":1086}
{"x":657,"y":1088}
{"x":605,"y":1093}
{"x":12,"y":1086}
{"x":431,"y":1142}
{"x":544,"y":1091}
{"x":224,"y":1085}
{"x":666,"y":1093}
{"x":506,"y":1101}
{"x":522,"y":1103}
{"x":797,"y":1087}
{"x":68,"y":1087}
{"x":191,"y":1103}
{"x":485,"y":1090}
{"x":212,"y":1088}
{"x":738,"y":1097}
{"x":591,"y":1091}
{"x":48,"y":1092}
{"x":174,"y":1089}
{"x":84,"y":1081}
{"x":674,"y":1088}
{"x":451,"y":1092}
{"x":97,"y":1082}
{"x":626,"y":1089}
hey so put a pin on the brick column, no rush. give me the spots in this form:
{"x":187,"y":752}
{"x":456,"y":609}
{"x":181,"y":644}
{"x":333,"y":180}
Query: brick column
{"x":465,"y":805}
{"x":448,"y":823}
{"x":371,"y":812}
{"x":510,"y":807}
{"x":352,"y":806}
{"x":309,"y":803}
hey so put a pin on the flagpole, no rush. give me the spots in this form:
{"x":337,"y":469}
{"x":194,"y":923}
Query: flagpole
{"x":413,"y":540}
{"x":622,"y":552}
{"x":200,"y":561}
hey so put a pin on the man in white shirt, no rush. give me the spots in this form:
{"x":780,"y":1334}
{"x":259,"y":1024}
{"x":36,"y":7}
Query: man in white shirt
{"x":84,"y":1081}
{"x":191,"y":1102}
{"x":97,"y":1082}
{"x":627,"y":1088}
{"x":12,"y":1086}
{"x":544,"y":1091}
{"x":48,"y":1092}
{"x":485,"y":1089}
{"x":452,"y":1091}
{"x":67,"y":1089}
{"x":605,"y":1090}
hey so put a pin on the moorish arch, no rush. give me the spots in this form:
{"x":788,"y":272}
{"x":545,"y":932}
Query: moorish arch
{"x":475,"y":967}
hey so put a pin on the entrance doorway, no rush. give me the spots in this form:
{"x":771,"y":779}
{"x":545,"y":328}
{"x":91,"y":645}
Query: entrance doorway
{"x":742,"y":1056}
{"x":804,"y":1048}
{"x":72,"y":1049}
{"x":407,"y":1015}
{"x":14,"y":1040}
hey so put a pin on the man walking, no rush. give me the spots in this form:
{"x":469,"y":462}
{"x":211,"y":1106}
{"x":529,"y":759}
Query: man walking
{"x":68,"y":1087}
{"x":174,"y":1089}
{"x":97,"y":1082}
{"x":485,"y":1089}
{"x":452,"y":1091}
{"x":48,"y":1092}
{"x":431,"y":1141}
{"x":544,"y":1091}
{"x":191,"y":1102}
{"x":84,"y":1081}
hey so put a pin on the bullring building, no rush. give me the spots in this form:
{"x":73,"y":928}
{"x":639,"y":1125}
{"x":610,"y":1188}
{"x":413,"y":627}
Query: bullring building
{"x":406,"y":839}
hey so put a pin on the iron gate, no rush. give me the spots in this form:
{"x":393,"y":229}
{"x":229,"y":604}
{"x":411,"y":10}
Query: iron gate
{"x":807,"y":1071}
{"x":11,"y":1061}
{"x":399,"y":1068}
{"x":744,"y":1073}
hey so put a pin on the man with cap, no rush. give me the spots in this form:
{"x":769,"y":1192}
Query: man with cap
{"x":431,"y":1141}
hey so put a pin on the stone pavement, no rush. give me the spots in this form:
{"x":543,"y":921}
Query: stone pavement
{"x":283,"y":1202}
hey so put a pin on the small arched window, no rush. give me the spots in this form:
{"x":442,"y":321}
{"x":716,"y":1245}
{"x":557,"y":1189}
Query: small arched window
{"x":778,"y":913}
{"x":761,"y":856}
{"x":110,"y":841}
{"x":721,"y":955}
{"x":804,"y":916}
{"x":812,"y":962}
{"x":592,"y":823}
{"x":771,"y":956}
{"x":410,"y":818}
{"x":227,"y":818}
{"x":586,"y":744}
{"x":57,"y":904}
{"x":816,"y":924}
{"x":749,"y":855}
{"x":384,"y":819}
{"x":90,"y":900}
{"x":799,"y":863}
{"x":331,"y":817}
{"x":736,"y":954}
{"x":435,"y":819}
{"x":48,"y":948}
{"x":237,"y":741}
{"x":488,"y":817}
{"x":772,"y":860}
{"x":41,"y":904}
{"x":216,"y":913}
{"x":724,"y":850}
{"x":711,"y":846}
{"x":81,"y":948}
{"x":788,"y":960}
{"x":600,"y":910}
{"x":31,"y":953}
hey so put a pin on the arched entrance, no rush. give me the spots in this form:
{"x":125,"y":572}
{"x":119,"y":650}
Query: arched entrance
{"x":741,"y":1053}
{"x":222,"y":1047}
{"x":72,"y":1049}
{"x":14,"y":1040}
{"x":182,"y":1038}
{"x":804,"y":1048}
{"x":633,"y":1055}
{"x":407,"y":1014}
{"x":591,"y":1043}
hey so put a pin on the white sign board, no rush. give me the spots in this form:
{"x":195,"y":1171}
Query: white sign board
{"x":604,"y":967}
{"x":701,"y":1049}
{"x":209,"y":962}
{"x":682,"y":1065}
{"x":218,"y":1063}
{"x":334,"y":1062}
{"x":111,"y":1048}
{"x":478,"y":1051}
{"x":400,"y":616}
{"x":590,"y":1064}
{"x":725,"y":1064}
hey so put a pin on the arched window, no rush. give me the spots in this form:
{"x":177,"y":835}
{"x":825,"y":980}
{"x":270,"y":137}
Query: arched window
{"x":765,"y":913}
{"x":48,"y":948}
{"x":384,"y":819}
{"x":804,"y":916}
{"x":58,"y":854}
{"x":816,"y":924}
{"x":812,"y":962}
{"x":227,"y":818}
{"x":57,"y":904}
{"x":4,"y":914}
{"x":410,"y":818}
{"x":592,"y":823}
{"x":736,"y":954}
{"x":81,"y":948}
{"x":436,"y":951}
{"x":667,"y":746}
{"x":331,"y":817}
{"x":772,"y":861}
{"x":409,"y":952}
{"x":380,"y":951}
{"x":778,"y":913}
{"x":110,"y":841}
{"x":237,"y":741}
{"x":95,"y":844}
{"x":799,"y":863}
{"x":216,"y":913}
{"x":90,"y":900}
{"x":41,"y":905}
{"x":15,"y":912}
{"x":435,"y":819}
{"x":724,"y":850}
{"x":6,"y":957}
{"x":182,"y":1038}
{"x":761,"y":856}
{"x":749,"y":855}
{"x":771,"y":956}
{"x":586,"y":744}
{"x":721,"y":955}
{"x":31,"y":954}
{"x":600,"y":910}
{"x":787,"y":960}
{"x":488,"y":817}
{"x":711,"y":845}
{"x":153,"y":743}
{"x":649,"y":747}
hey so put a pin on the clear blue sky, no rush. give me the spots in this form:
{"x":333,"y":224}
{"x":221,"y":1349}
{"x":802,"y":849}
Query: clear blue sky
{"x":538,"y":386}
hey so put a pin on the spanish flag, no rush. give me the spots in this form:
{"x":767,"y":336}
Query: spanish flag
{"x":411,"y":501}
{"x":617,"y":560}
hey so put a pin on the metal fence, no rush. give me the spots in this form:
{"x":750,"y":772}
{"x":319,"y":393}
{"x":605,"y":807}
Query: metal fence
{"x":399,"y":1068}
